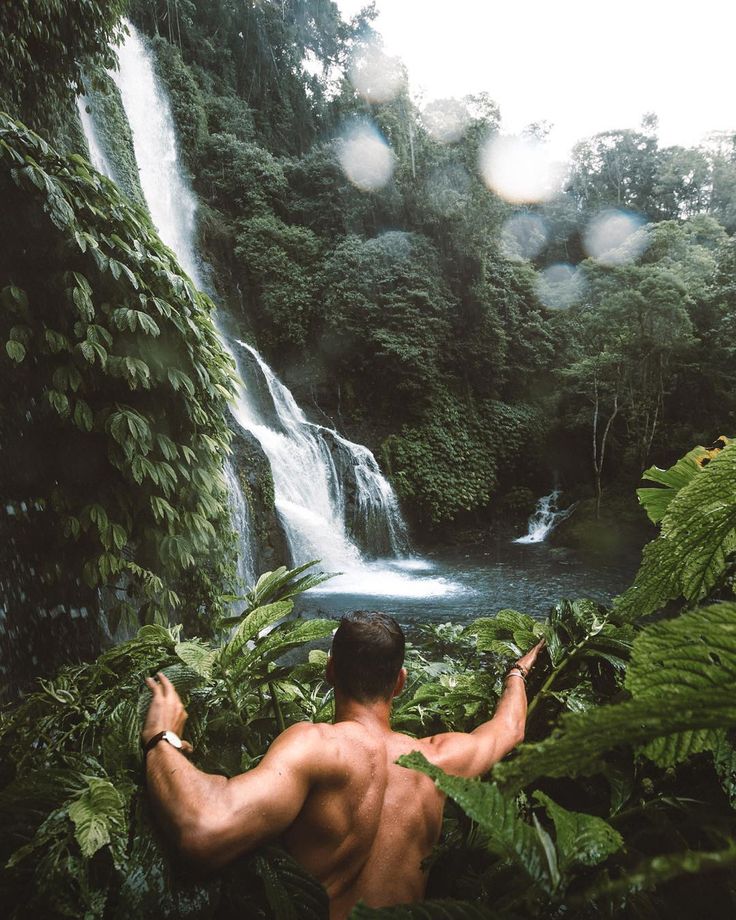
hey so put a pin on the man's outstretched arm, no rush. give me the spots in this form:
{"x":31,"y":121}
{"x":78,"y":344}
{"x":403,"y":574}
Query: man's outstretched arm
{"x":474,"y":753}
{"x":213,"y":819}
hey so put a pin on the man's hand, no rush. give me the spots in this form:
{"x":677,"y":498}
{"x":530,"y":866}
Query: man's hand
{"x":527,"y":661}
{"x":166,"y":712}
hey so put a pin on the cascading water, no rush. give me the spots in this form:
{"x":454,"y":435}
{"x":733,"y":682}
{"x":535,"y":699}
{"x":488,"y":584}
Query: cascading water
{"x":96,"y":156}
{"x":243,"y":524}
{"x":329,"y":492}
{"x":172,"y":207}
{"x":314,"y":469}
{"x":170,"y":200}
{"x":545,"y":518}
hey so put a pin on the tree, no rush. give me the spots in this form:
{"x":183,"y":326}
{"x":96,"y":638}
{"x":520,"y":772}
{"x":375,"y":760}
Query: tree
{"x":614,"y":169}
{"x":632,"y":327}
{"x":386,"y":316}
{"x":279,"y":269}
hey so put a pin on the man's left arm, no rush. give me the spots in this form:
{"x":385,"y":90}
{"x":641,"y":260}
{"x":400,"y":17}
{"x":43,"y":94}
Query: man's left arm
{"x":212,"y":819}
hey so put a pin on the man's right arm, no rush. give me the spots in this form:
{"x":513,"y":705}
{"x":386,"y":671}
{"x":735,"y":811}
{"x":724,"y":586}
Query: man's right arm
{"x":474,"y":753}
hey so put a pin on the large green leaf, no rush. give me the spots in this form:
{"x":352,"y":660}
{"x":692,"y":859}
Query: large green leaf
{"x":97,"y":815}
{"x":507,"y":835}
{"x":656,"y":501}
{"x":698,"y":534}
{"x":654,"y":871}
{"x":284,"y":583}
{"x":579,"y":838}
{"x":286,"y":637}
{"x":198,"y":656}
{"x":509,"y":634}
{"x":576,"y":747}
{"x":257,"y":620}
{"x":694,"y":651}
{"x":682,"y":676}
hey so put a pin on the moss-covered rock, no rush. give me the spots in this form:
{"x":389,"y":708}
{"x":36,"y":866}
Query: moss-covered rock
{"x":621,"y":528}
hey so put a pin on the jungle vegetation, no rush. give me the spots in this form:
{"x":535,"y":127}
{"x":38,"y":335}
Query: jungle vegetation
{"x":402,"y":315}
{"x":620,"y":803}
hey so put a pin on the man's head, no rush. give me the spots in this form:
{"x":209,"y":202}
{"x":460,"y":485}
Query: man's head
{"x":367,"y":656}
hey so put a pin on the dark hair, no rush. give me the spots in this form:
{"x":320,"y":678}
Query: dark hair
{"x":367,"y":655}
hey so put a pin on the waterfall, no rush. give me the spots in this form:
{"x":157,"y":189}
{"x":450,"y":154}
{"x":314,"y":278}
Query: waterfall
{"x":319,"y":476}
{"x":330,"y":495}
{"x":243,"y":524}
{"x":545,"y":518}
{"x":172,"y":207}
{"x":170,"y":200}
{"x":96,"y":156}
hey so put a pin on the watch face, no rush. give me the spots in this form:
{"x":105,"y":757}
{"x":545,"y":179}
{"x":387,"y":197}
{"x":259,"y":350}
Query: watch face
{"x":173,"y":739}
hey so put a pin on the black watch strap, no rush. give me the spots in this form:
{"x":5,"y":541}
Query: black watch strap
{"x":152,"y":742}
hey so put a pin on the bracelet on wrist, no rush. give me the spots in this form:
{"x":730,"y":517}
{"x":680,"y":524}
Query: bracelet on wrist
{"x":515,"y":672}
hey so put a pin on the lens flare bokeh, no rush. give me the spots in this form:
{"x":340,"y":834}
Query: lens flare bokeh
{"x":615,"y":237}
{"x":365,"y":157}
{"x":559,"y":286}
{"x":375,"y":75}
{"x":523,"y":236}
{"x":447,"y":190}
{"x":519,"y":169}
{"x":445,"y":120}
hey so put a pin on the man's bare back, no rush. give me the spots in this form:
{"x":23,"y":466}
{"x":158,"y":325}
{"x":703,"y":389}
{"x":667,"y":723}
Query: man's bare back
{"x":367,"y":825}
{"x":361,"y":824}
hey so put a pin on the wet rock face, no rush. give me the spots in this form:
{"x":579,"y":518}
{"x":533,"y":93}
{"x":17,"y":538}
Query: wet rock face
{"x":254,"y":474}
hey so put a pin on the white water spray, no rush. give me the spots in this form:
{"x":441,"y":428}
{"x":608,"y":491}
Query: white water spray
{"x":545,"y":518}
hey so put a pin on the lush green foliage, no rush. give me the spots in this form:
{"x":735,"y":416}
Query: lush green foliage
{"x":114,"y":392}
{"x":621,"y":804}
{"x":693,"y":556}
{"x":44,"y":46}
{"x":78,"y":837}
{"x":404,"y":312}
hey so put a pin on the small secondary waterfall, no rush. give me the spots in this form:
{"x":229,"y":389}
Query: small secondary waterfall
{"x":545,"y":518}
{"x":329,"y":493}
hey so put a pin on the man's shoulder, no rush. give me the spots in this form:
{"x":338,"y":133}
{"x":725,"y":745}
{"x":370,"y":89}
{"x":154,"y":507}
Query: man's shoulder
{"x":310,"y":739}
{"x":305,"y":732}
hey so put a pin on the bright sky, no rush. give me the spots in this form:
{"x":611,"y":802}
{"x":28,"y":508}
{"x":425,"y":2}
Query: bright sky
{"x":584,"y":65}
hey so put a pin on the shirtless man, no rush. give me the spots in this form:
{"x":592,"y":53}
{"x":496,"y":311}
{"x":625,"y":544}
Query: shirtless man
{"x":344,"y":809}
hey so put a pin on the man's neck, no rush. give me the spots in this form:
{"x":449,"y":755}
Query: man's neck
{"x":374,"y":714}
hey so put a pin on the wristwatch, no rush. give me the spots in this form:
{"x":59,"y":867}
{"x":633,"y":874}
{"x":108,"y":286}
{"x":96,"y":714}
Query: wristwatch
{"x":173,"y":739}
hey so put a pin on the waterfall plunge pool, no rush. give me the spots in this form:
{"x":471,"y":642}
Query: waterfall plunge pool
{"x":463,"y":583}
